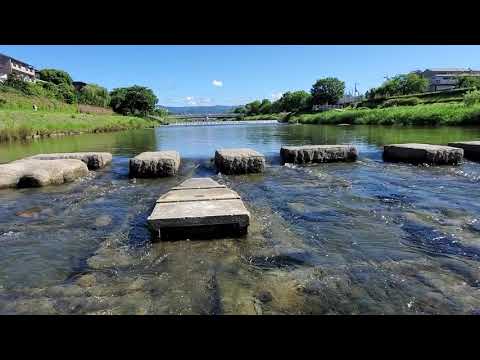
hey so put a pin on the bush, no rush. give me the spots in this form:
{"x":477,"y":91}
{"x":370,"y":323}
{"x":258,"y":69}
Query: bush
{"x":92,"y":94}
{"x":472,"y":97}
{"x":401,"y":102}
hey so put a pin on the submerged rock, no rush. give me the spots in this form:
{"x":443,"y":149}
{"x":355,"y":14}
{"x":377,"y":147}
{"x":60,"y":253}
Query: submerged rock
{"x":103,"y":220}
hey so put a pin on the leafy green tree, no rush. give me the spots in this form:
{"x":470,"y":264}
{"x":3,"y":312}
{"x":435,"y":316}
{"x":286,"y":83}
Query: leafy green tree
{"x":403,"y":84}
{"x":134,"y":100}
{"x":265,"y":107}
{"x":253,"y":108}
{"x":92,"y":94}
{"x":469,"y":82}
{"x":66,"y":93}
{"x":294,"y":101}
{"x":327,"y":91}
{"x":239,"y":110}
{"x":55,"y":76}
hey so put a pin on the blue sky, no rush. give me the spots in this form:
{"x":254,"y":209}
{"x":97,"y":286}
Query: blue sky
{"x":231,"y":75}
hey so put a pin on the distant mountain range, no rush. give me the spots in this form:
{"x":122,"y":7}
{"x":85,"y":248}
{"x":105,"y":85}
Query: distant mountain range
{"x":199,"y":110}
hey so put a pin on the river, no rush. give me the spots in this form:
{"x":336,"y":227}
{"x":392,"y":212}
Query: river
{"x":344,"y":238}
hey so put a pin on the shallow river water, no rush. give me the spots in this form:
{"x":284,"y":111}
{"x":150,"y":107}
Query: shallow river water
{"x":343,"y":238}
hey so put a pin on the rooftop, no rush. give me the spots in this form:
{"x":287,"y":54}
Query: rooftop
{"x":450,"y":70}
{"x":18,"y":61}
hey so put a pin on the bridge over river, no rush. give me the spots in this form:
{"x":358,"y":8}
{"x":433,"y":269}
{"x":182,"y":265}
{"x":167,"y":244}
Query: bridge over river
{"x":211,"y":120}
{"x":222,"y":122}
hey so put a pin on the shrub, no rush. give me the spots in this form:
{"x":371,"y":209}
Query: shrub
{"x":472,"y":97}
{"x":401,"y":102}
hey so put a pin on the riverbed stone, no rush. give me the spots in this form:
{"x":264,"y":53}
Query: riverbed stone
{"x":423,"y":154}
{"x":318,"y":153}
{"x":94,"y":160}
{"x":239,"y":161}
{"x":155,"y":164}
{"x":35,"y":173}
{"x":471,"y":149}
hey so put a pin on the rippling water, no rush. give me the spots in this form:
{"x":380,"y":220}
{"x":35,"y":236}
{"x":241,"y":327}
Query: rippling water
{"x":353,"y":238}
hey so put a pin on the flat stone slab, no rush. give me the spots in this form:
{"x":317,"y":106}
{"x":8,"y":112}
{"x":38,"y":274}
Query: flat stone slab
{"x":318,"y":153}
{"x":423,"y":154}
{"x":199,"y":183}
{"x":155,"y":164}
{"x":471,"y":149}
{"x":35,"y":173}
{"x":94,"y":160}
{"x":181,"y":195}
{"x":239,"y":161}
{"x":191,"y":211}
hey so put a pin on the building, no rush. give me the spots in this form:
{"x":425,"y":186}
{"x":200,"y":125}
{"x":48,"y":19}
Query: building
{"x":79,"y":85}
{"x":9,"y":65}
{"x":447,"y":78}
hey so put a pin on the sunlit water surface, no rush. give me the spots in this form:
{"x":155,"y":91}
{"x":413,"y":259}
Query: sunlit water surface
{"x":342,"y":238}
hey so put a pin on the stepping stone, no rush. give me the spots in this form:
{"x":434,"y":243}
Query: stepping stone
{"x":35,"y":173}
{"x":94,"y":160}
{"x":318,"y":153}
{"x":199,"y":207}
{"x":423,"y":154}
{"x":155,"y":164}
{"x":239,"y":161}
{"x":471,"y":149}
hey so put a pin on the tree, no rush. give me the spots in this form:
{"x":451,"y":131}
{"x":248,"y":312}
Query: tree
{"x":134,"y":100}
{"x":402,"y":84}
{"x":265,"y":107}
{"x":294,"y":101}
{"x":327,"y":91}
{"x":92,"y":94}
{"x":253,"y":108}
{"x":469,"y":82}
{"x":239,"y":110}
{"x":55,"y":76}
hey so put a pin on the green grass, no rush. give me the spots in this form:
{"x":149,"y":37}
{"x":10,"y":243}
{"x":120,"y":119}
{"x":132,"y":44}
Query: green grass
{"x":15,"y":100}
{"x":431,"y":114}
{"x":19,"y":125}
{"x":265,"y":117}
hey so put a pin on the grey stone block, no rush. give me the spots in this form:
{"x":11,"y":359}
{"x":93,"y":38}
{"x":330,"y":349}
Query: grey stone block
{"x":94,"y":160}
{"x":155,"y":164}
{"x":423,"y":154}
{"x":239,"y":161}
{"x":35,"y":173}
{"x":318,"y":153}
{"x":471,"y":149}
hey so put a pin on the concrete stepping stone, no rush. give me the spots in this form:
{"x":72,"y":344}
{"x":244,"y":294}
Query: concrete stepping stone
{"x":155,"y":164}
{"x":318,"y":153}
{"x":35,"y":173}
{"x":199,"y":207}
{"x":423,"y":154}
{"x":239,"y":161}
{"x":471,"y":149}
{"x":94,"y":160}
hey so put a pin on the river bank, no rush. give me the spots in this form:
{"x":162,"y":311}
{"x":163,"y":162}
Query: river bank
{"x":429,"y":115}
{"x":22,"y":125}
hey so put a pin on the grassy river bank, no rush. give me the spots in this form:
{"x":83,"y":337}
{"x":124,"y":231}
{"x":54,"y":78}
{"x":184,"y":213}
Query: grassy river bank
{"x":21,"y":125}
{"x":424,"y":115}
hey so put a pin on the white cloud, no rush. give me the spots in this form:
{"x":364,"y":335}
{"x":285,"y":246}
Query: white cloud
{"x":276,"y":95}
{"x":217,"y":83}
